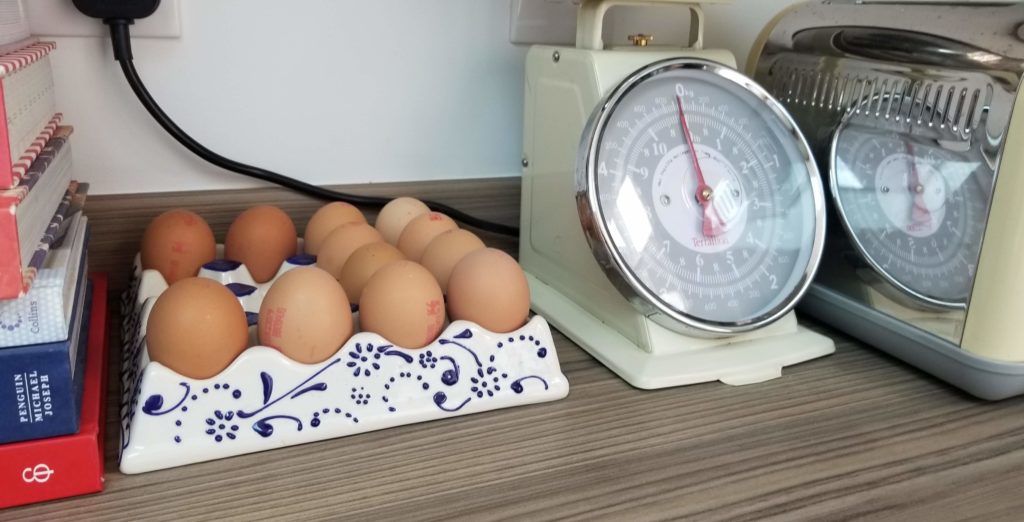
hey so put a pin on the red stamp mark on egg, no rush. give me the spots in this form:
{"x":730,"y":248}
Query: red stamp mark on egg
{"x":178,"y":247}
{"x":273,"y":326}
{"x":433,"y":307}
{"x":435,"y":312}
{"x":434,"y":216}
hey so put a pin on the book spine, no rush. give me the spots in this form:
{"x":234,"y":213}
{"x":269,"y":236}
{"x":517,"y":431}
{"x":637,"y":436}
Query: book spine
{"x":47,"y":469}
{"x":40,"y":384}
{"x":40,"y":316}
{"x":12,"y":280}
{"x":37,"y":396}
{"x":6,"y":173}
{"x":55,"y":231}
{"x":29,"y":155}
{"x":16,"y":58}
{"x":15,"y":280}
{"x":52,"y":145}
{"x":26,"y":101}
{"x":37,"y":316}
{"x":29,"y":52}
{"x":10,"y":249}
{"x":53,"y":468}
{"x":40,"y":164}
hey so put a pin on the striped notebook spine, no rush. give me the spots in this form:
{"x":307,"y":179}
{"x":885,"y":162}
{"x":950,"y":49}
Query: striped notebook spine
{"x":54,"y":233}
{"x":19,"y":170}
{"x":43,"y":159}
{"x":25,"y":56}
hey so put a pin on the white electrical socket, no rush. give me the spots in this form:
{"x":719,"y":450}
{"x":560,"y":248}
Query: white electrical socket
{"x":61,"y":18}
{"x":551,"y":22}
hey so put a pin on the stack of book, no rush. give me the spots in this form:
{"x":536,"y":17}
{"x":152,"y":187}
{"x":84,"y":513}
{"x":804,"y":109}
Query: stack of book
{"x":50,"y":442}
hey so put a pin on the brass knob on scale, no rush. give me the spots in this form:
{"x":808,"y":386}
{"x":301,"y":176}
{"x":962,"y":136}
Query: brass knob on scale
{"x":640,"y":39}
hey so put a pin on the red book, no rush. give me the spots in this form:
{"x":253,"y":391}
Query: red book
{"x":27,"y":102}
{"x":31,"y":214}
{"x":58,"y":467}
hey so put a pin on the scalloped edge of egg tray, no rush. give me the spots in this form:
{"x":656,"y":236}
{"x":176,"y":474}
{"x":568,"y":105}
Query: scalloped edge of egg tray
{"x":264,"y":400}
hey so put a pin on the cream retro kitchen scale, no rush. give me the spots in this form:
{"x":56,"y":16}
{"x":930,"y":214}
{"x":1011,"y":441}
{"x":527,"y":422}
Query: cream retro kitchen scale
{"x":672,"y":213}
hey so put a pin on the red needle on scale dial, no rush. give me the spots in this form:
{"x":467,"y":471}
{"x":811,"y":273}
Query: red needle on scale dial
{"x":712,"y":224}
{"x":919,"y":213}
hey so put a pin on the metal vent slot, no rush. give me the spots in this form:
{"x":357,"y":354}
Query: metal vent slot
{"x":938,"y":106}
{"x":842,"y":92}
{"x":876,"y":96}
{"x":972,"y":116}
{"x":913,"y":89}
{"x":807,"y":79}
{"x":947,"y":104}
{"x":921,"y":102}
{"x":814,"y":92}
{"x":860,"y":86}
{"x":832,"y":91}
{"x":895,"y":98}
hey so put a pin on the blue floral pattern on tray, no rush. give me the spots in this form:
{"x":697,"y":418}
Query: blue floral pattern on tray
{"x":264,"y":400}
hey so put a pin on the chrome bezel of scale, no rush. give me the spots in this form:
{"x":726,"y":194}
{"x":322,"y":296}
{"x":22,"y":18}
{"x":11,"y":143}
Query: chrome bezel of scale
{"x":910,"y":297}
{"x":596,"y":228}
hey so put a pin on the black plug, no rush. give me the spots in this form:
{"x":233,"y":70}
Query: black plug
{"x":118,"y":14}
{"x":108,"y":10}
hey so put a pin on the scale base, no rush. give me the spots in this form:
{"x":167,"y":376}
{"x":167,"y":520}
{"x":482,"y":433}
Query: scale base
{"x":674,"y":359}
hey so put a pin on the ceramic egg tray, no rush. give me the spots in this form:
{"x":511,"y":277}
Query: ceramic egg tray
{"x":264,"y":400}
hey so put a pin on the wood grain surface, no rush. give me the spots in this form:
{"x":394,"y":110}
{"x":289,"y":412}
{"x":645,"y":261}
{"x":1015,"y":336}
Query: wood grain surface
{"x":856,"y":435}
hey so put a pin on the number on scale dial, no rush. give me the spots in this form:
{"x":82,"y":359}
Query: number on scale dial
{"x":707,"y":200}
{"x":915,"y":210}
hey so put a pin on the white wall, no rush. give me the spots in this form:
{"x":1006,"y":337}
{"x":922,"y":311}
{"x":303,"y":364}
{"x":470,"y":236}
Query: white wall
{"x":732,"y":26}
{"x":328,"y":91}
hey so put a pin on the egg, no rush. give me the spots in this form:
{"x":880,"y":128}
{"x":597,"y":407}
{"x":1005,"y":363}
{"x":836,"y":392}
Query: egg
{"x":421,"y":231}
{"x":305,"y":315}
{"x":341,"y":243}
{"x":362,"y":264}
{"x":489,"y":288}
{"x":393,"y":218}
{"x":176,"y":244}
{"x":197,"y":328}
{"x":446,"y":250}
{"x":261,"y":238}
{"x":325,"y":220}
{"x":403,"y":303}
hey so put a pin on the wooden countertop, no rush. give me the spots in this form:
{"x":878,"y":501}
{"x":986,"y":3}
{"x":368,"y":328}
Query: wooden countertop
{"x":856,"y":434}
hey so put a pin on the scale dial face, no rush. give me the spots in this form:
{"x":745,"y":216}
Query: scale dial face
{"x":915,"y":210}
{"x":700,"y":198}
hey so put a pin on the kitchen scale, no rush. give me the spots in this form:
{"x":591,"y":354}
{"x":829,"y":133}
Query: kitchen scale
{"x":913,"y":114}
{"x":668,"y":266}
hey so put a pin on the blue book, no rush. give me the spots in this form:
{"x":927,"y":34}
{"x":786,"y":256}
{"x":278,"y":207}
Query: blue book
{"x":41,"y":384}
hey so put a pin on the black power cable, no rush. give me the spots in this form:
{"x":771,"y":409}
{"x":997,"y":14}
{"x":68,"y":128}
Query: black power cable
{"x":121,"y":39}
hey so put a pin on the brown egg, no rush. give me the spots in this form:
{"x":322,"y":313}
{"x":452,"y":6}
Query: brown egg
{"x":446,"y":250}
{"x":305,"y":315}
{"x":197,"y":328}
{"x":261,"y":238}
{"x":325,"y":220}
{"x":341,"y":243}
{"x":490,"y":289}
{"x":403,"y":303}
{"x":421,"y":231}
{"x":396,"y":215}
{"x":362,"y":264}
{"x":177,"y":243}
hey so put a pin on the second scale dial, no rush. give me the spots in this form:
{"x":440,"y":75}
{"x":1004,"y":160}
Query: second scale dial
{"x":914,"y":209}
